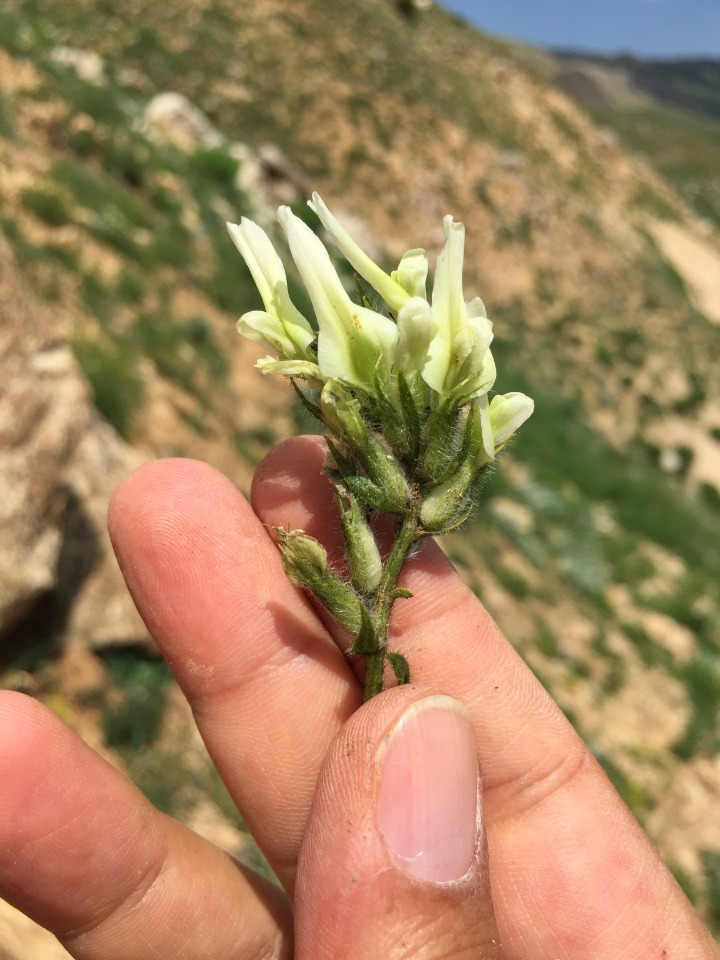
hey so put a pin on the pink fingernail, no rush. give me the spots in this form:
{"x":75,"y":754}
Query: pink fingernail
{"x":427,"y":791}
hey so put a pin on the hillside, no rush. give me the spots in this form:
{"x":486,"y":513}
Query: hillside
{"x":667,"y":111}
{"x":597,"y":547}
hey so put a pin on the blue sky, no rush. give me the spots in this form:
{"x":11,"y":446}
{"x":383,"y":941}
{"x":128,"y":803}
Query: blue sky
{"x":660,"y":28}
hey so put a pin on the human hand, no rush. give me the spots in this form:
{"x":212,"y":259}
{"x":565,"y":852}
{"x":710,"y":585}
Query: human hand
{"x":319,"y":779}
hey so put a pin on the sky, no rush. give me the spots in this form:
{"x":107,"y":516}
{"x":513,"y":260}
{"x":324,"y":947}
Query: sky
{"x":651,"y":28}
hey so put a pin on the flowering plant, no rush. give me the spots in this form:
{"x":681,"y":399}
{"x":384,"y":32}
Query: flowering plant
{"x":404,"y":394}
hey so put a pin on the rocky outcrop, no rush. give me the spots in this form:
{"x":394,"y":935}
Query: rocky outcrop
{"x":87,"y":64}
{"x":268,"y":175}
{"x":58,"y":466}
{"x":43,"y":412}
{"x":101,"y":614}
{"x":171,"y":118}
{"x":265,"y":174}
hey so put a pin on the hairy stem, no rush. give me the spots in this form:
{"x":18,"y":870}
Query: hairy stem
{"x":407,"y":536}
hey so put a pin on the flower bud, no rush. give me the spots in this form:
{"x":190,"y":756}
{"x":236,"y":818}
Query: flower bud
{"x":441,"y":440}
{"x":341,"y":412}
{"x":444,"y":506}
{"x":363,"y":554}
{"x":305,"y":563}
{"x":301,"y":553}
{"x":384,"y":470}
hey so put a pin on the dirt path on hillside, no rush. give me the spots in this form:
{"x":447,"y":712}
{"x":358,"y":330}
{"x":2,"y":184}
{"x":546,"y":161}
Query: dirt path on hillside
{"x":696,"y":260}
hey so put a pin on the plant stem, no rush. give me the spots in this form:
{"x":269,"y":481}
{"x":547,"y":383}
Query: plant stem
{"x":408,"y":534}
{"x":374,"y":668}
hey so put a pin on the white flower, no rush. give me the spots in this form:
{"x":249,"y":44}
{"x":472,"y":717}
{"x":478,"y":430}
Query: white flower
{"x":407,"y":281}
{"x":355,"y":344}
{"x":280,"y":326}
{"x":460,"y":366}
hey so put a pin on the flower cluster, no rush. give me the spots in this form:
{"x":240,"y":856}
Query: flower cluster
{"x":402,"y":388}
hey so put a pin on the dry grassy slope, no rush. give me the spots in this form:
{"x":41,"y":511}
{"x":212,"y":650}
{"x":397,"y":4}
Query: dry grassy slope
{"x":79,"y":270}
{"x":404,"y":123}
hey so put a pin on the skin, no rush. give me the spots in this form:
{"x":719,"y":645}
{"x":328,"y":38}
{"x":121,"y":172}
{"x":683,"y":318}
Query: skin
{"x":570,"y":873}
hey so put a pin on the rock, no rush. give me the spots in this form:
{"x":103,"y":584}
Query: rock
{"x":265,"y":175}
{"x":102,"y":614}
{"x":87,"y":64}
{"x":671,"y":461}
{"x":43,"y":411}
{"x":172,"y":118}
{"x":268,"y":176}
{"x":59,"y":463}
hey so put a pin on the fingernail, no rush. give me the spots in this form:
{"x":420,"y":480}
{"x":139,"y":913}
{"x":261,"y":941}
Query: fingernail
{"x":427,"y":790}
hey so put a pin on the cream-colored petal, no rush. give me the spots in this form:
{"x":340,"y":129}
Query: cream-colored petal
{"x":448,"y":306}
{"x":354,"y":343}
{"x":412,"y":272}
{"x":268,"y":272}
{"x":265,"y":329}
{"x":416,"y":329}
{"x":388,"y":288}
{"x":508,"y":412}
{"x":302,"y":369}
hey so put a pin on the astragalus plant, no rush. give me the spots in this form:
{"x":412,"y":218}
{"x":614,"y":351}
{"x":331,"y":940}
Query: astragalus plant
{"x":401,"y":383}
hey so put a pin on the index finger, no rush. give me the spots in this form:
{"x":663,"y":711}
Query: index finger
{"x":268,"y":687}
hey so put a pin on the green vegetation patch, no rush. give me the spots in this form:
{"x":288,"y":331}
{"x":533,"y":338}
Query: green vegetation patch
{"x":135,"y":721}
{"x":701,"y":678}
{"x":683,"y":147}
{"x":561,"y":448}
{"x":10,"y":33}
{"x":7,"y":120}
{"x":180,"y":351}
{"x":111,"y":369}
{"x":132,"y":719}
{"x":101,"y":194}
{"x":650,"y":201}
{"x":635,"y":795}
{"x":711,"y":866}
{"x":49,"y":204}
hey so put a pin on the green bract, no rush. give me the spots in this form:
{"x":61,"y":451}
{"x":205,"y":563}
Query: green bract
{"x":402,"y":388}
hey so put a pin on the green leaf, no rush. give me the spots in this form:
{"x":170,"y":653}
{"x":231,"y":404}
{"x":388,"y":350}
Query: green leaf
{"x":459,"y":520}
{"x":366,"y":641}
{"x":410,"y":415}
{"x":312,"y":408}
{"x":370,"y":493}
{"x":400,"y":593}
{"x":364,"y":299}
{"x":390,"y":418}
{"x":400,"y":667}
{"x":345,"y":466}
{"x":439,"y":441}
{"x":459,"y":458}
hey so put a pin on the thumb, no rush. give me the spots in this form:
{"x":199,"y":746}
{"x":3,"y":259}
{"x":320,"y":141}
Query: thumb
{"x":394,"y":861}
